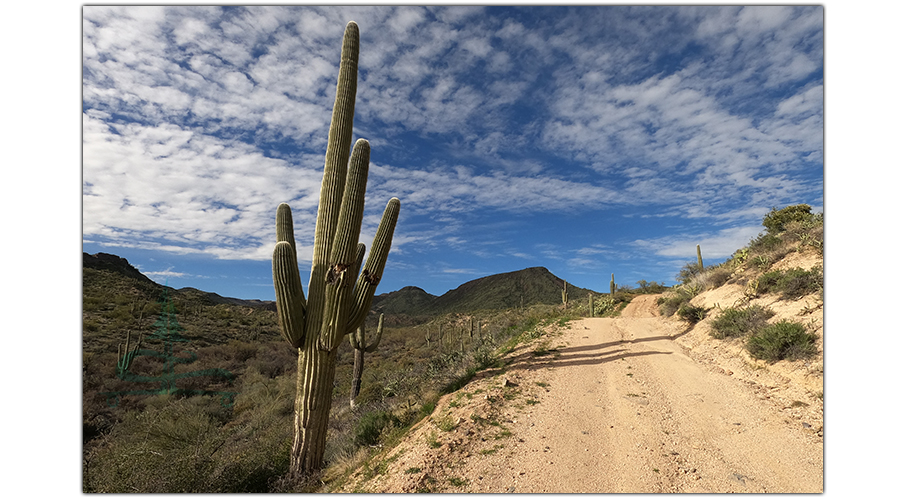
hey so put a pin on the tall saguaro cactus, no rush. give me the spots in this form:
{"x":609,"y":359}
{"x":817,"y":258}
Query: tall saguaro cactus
{"x":360,"y":348}
{"x":612,"y":284}
{"x":699,"y":258}
{"x":338,"y":299}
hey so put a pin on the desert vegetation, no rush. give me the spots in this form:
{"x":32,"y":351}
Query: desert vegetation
{"x":181,"y":443}
{"x":793,"y":229}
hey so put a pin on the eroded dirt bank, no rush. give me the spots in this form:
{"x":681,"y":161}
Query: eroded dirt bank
{"x":607,"y":405}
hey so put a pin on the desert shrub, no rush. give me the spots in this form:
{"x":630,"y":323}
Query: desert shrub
{"x":692,"y":314}
{"x":712,"y":277}
{"x":274,"y":358}
{"x":671,"y":302}
{"x":765,"y":242}
{"x":371,"y":425}
{"x":689,"y":272}
{"x":160,"y":450}
{"x":718,"y":276}
{"x":776,"y":219}
{"x":651,"y":287}
{"x":669,"y":305}
{"x":782,"y":340}
{"x":739,"y":322}
{"x":793,"y":283}
{"x":483,"y":357}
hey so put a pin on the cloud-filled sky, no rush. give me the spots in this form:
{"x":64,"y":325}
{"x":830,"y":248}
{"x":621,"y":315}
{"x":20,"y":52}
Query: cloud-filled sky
{"x":590,"y":140}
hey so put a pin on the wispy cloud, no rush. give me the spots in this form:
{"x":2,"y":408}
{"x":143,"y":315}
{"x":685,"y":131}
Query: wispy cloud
{"x":716,"y":245}
{"x":198,"y":121}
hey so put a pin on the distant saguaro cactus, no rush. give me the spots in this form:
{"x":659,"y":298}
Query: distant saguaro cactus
{"x":358,"y":342}
{"x":699,"y":258}
{"x":125,"y":359}
{"x":590,"y":305}
{"x":612,"y":284}
{"x":336,"y":306}
{"x":565,"y":296}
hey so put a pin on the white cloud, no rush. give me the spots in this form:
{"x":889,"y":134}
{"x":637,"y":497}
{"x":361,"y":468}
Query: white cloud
{"x":199,"y":120}
{"x":721,"y":244}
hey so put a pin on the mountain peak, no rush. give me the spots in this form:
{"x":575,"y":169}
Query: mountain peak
{"x":533,"y":285}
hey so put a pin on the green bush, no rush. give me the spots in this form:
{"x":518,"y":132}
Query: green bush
{"x":775,"y":220}
{"x":765,"y":242}
{"x":739,"y":322}
{"x":782,"y":340}
{"x":692,"y":314}
{"x":669,"y":305}
{"x":371,"y":425}
{"x":793,"y":283}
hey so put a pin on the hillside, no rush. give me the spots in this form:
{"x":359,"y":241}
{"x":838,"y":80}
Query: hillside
{"x":527,"y":287}
{"x":117,"y":298}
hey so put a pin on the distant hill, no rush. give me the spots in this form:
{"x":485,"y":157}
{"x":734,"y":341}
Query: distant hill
{"x":108,"y":279}
{"x":118,"y":265}
{"x":534,"y":285}
{"x":114,"y":263}
{"x":410,"y":300}
{"x":117,"y":298}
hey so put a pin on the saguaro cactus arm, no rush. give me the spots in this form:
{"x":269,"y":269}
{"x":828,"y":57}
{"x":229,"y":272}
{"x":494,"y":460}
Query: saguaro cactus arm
{"x":289,"y":300}
{"x":370,"y":276}
{"x":358,"y":337}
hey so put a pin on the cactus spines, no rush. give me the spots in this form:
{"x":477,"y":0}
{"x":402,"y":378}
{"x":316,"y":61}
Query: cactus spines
{"x":341,"y":287}
{"x":699,"y":258}
{"x":360,"y":348}
{"x":612,"y":284}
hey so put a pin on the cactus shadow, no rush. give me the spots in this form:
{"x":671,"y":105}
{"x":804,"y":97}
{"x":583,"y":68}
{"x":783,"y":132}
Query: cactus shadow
{"x":534,"y":364}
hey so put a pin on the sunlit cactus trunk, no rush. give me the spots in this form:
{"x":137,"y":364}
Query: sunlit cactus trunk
{"x":699,"y":258}
{"x":341,"y":288}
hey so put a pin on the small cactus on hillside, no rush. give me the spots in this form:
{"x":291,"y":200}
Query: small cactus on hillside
{"x":125,"y":359}
{"x":358,"y":342}
{"x":565,"y":296}
{"x":612,"y":284}
{"x":699,"y":258}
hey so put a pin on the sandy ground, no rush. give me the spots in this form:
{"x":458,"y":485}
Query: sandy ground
{"x":621,"y":405}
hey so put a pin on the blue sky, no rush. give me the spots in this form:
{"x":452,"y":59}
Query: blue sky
{"x":590,"y":140}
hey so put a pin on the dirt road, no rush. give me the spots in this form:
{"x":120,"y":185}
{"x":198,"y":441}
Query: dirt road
{"x":608,"y":406}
